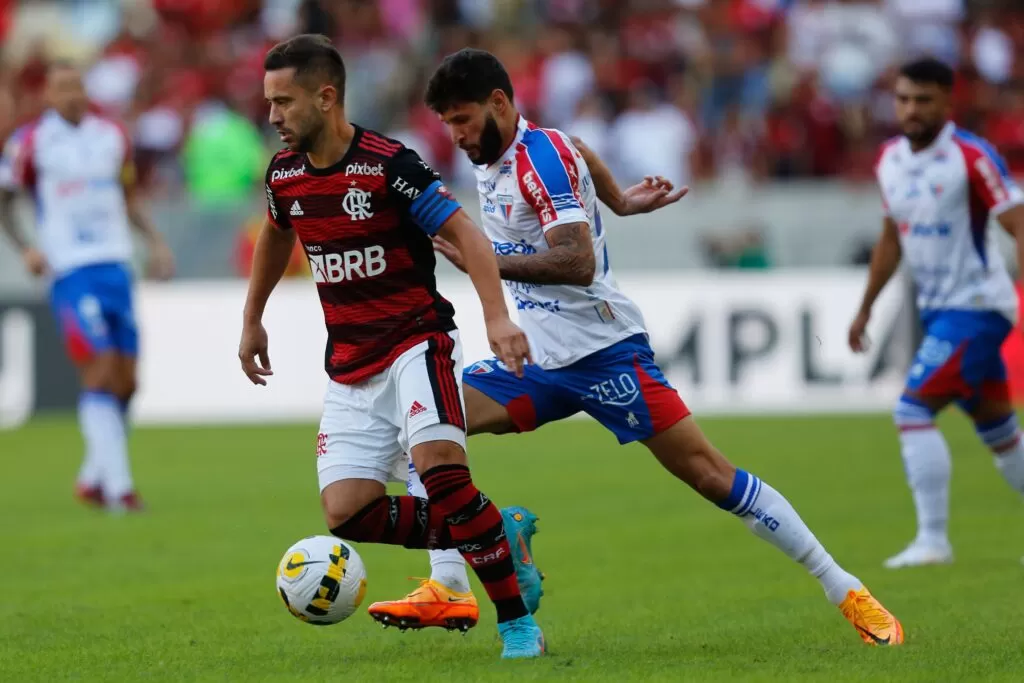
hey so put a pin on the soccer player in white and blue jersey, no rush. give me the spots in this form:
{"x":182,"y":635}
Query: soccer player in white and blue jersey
{"x":940,"y":187}
{"x":588,"y":341}
{"x":77,"y":168}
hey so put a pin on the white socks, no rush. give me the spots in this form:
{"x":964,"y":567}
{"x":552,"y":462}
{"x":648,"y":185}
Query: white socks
{"x":772,"y":518}
{"x":446,"y":566}
{"x":928,"y":467}
{"x":1003,"y":438}
{"x":106,"y":447}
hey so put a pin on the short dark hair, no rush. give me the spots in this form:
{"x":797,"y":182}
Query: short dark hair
{"x":466,"y":76}
{"x":314,"y":58}
{"x":928,"y":70}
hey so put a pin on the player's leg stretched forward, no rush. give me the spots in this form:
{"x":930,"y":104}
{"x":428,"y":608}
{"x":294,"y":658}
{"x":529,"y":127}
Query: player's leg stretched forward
{"x":683,"y":450}
{"x":458,"y":516}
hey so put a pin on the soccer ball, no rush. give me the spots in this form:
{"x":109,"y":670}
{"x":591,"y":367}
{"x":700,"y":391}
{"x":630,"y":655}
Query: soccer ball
{"x":322,"y":580}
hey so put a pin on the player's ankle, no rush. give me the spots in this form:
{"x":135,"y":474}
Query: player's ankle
{"x":453,"y":583}
{"x":932,"y":539}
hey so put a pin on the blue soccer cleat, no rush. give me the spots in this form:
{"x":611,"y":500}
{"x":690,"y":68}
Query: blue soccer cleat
{"x":520,"y":526}
{"x":522,"y":638}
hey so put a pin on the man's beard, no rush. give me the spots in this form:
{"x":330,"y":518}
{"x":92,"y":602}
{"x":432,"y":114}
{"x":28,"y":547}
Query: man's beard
{"x":924,"y":135}
{"x":490,"y":143}
{"x":306,"y":142}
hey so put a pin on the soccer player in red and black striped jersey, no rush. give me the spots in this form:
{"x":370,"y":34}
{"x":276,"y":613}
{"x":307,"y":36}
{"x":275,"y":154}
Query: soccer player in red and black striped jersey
{"x":365,"y":208}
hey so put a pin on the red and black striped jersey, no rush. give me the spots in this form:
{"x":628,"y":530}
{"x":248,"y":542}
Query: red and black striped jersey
{"x":365,"y":224}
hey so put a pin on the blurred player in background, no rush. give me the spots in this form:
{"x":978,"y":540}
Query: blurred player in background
{"x":77,"y":167}
{"x":940,"y":186}
{"x":364,"y":208}
{"x":589,"y":341}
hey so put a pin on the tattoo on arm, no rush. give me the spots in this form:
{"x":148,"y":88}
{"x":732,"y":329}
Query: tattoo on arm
{"x":568,"y":261}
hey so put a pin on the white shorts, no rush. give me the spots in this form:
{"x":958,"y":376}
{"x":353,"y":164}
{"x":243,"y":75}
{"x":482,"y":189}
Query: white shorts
{"x":366,"y":428}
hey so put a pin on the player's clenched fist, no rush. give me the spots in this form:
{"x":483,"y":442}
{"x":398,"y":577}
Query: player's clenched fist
{"x":509,"y":344}
{"x":252,"y":347}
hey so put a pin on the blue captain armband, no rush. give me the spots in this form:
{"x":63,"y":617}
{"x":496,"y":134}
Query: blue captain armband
{"x":433,"y":207}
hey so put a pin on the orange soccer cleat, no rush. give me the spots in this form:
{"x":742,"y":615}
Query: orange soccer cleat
{"x":875,"y":624}
{"x":432,"y":604}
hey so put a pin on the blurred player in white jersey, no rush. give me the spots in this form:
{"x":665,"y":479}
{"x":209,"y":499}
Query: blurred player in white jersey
{"x":592,"y":354}
{"x":940,"y":186}
{"x":77,"y":168}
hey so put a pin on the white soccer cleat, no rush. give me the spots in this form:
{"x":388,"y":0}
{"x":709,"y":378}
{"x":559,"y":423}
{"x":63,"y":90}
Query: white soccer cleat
{"x":918,"y":554}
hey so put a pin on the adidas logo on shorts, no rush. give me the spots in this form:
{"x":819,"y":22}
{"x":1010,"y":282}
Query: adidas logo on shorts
{"x":416,"y":409}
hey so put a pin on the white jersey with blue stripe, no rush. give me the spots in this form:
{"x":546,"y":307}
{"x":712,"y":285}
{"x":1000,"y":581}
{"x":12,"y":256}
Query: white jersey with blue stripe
{"x":540,"y":183}
{"x":74,"y":173}
{"x":941,"y":199}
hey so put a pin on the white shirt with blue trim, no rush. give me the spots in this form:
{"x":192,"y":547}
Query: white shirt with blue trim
{"x":942,"y":199}
{"x":541,"y":182}
{"x":75,"y":175}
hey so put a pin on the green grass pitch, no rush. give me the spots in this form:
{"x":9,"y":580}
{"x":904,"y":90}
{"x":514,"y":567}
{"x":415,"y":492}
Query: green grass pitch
{"x":645,"y":581}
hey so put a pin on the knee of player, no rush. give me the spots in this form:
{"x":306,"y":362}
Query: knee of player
{"x":912,"y":413}
{"x":337,"y":511}
{"x":126,"y":388}
{"x":697,"y":462}
{"x":436,"y":446}
{"x":713,"y":476}
{"x":100,"y":374}
{"x":998,"y":430}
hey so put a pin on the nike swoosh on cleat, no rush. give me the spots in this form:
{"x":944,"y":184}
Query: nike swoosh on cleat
{"x":296,"y":565}
{"x":872,"y":636}
{"x":451,"y":599}
{"x":526,"y":559}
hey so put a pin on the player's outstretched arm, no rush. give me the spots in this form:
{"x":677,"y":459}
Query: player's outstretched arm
{"x":507,"y":341}
{"x":607,"y":189}
{"x":885,"y":259}
{"x":270,"y":260}
{"x":655,"y":192}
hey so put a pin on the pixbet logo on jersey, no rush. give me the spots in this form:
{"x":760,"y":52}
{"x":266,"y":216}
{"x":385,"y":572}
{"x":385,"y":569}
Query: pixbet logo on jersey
{"x":540,"y":197}
{"x":355,"y":264}
{"x":291,"y":173}
{"x":365,"y":169}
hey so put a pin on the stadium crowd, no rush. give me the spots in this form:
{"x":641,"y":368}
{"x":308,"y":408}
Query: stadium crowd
{"x":693,"y":89}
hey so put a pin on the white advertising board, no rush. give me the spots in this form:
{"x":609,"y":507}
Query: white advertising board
{"x":731,"y":343}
